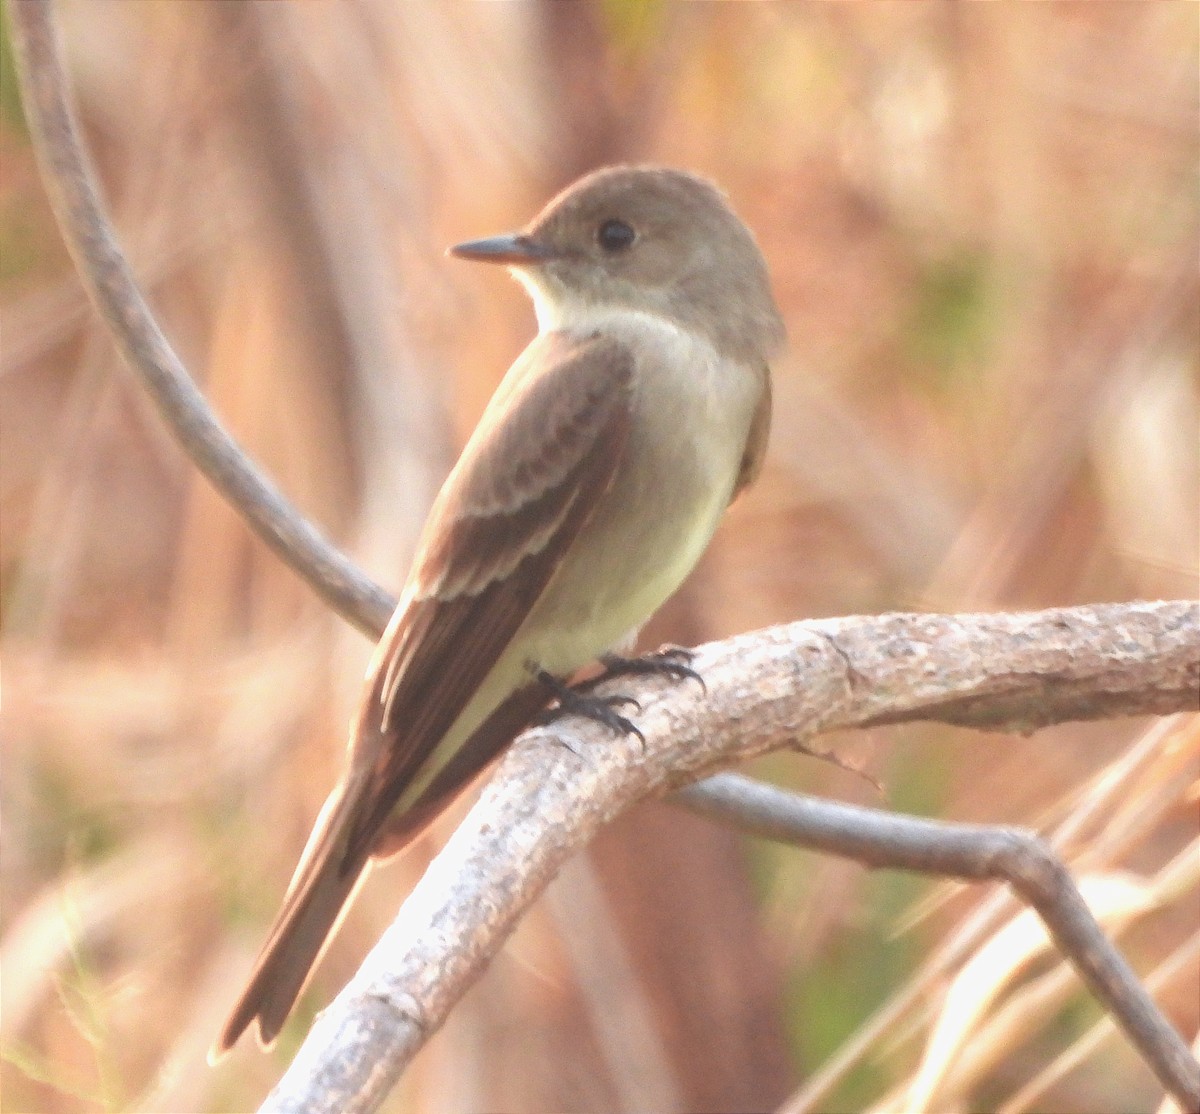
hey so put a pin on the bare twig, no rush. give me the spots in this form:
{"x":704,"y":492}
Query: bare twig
{"x":970,"y":933}
{"x":766,"y":690}
{"x":976,"y":853}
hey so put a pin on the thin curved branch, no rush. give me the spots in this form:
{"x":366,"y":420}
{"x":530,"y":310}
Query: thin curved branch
{"x":110,"y":284}
{"x":976,"y":853}
{"x":774,"y":688}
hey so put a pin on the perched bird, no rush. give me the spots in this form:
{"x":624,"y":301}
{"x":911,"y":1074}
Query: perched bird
{"x":593,"y":483}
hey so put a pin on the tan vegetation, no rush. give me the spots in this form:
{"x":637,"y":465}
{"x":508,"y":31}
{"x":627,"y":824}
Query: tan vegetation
{"x":982,"y":229}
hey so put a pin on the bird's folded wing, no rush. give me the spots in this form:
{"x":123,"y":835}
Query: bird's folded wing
{"x":544,"y":454}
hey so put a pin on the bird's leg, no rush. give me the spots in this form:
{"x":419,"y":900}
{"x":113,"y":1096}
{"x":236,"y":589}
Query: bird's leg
{"x":601,"y":709}
{"x":674,"y":662}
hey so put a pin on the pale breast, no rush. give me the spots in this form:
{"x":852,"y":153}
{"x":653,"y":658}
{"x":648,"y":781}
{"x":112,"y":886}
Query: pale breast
{"x":692,"y":414}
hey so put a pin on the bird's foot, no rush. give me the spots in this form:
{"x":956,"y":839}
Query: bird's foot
{"x":674,"y":662}
{"x":600,"y":709}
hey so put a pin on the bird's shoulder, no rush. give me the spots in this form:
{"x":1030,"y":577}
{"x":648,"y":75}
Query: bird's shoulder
{"x":556,"y":427}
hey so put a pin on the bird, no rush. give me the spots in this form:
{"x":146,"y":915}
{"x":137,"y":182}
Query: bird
{"x":591,"y":486}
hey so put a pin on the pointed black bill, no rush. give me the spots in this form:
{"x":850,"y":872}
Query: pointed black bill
{"x":512,"y":250}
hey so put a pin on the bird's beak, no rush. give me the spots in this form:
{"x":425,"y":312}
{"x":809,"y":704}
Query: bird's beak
{"x":516,"y":249}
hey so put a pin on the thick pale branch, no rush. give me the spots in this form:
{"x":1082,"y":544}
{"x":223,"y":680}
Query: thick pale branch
{"x":554,"y":790}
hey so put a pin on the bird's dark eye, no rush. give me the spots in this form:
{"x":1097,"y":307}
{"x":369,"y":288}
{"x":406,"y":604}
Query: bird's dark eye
{"x":615,"y":235}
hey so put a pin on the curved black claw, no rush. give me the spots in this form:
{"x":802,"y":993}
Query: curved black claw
{"x":672,"y":661}
{"x":600,"y":709}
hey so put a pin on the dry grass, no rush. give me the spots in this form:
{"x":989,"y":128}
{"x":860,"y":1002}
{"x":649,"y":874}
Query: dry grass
{"x":982,"y":227}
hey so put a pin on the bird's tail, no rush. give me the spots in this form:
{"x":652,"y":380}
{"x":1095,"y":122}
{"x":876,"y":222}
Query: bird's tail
{"x":320,"y":890}
{"x":357,"y":824}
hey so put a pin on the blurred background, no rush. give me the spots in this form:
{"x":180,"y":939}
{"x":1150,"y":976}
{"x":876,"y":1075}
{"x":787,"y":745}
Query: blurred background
{"x":981,"y":223}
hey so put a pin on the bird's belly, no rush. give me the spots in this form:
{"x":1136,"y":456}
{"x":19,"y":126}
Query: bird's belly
{"x":691,"y":414}
{"x":623,"y":566}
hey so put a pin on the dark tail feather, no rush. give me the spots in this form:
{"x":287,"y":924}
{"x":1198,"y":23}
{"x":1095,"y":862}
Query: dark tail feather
{"x":321,"y":888}
{"x":345,"y":837}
